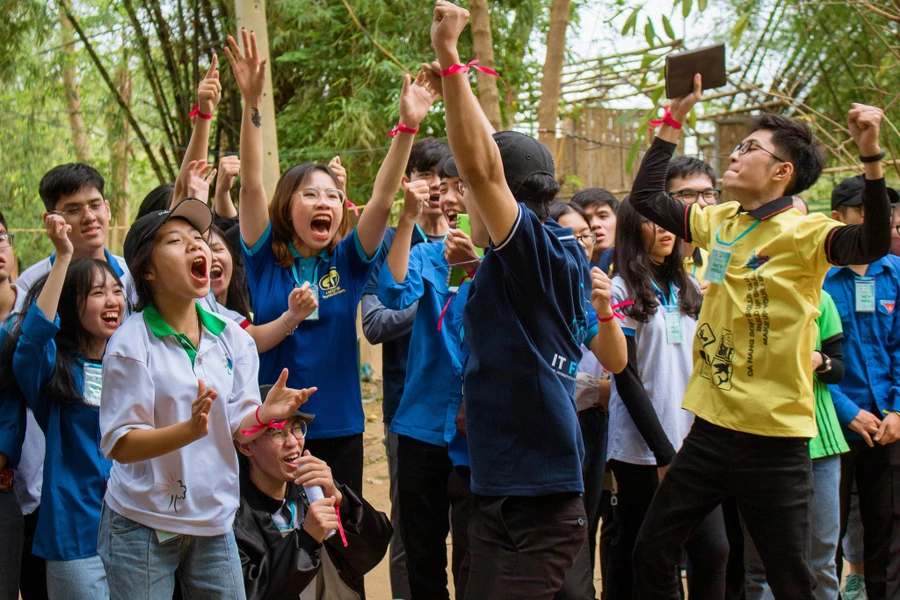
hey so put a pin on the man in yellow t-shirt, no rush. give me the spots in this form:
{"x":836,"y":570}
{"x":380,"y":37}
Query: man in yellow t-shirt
{"x":751,"y":387}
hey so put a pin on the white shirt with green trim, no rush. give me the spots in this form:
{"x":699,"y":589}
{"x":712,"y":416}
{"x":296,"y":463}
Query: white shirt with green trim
{"x":150,"y":378}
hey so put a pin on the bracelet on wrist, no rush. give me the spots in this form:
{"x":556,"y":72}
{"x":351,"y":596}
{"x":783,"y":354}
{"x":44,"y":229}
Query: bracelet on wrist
{"x":873,"y":158}
{"x":667,"y":119}
{"x":401,"y":128}
{"x":196,"y":113}
{"x":288,"y":330}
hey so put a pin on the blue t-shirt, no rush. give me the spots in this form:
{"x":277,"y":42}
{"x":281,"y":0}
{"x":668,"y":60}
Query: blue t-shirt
{"x":321,"y":353}
{"x":525,"y":320}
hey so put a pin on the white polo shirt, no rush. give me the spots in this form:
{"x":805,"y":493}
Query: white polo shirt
{"x":210,"y":304}
{"x":150,"y":378}
{"x":664,"y":369}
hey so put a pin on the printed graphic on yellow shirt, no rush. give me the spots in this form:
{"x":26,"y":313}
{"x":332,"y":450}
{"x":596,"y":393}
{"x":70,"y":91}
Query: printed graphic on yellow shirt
{"x":717,"y":358}
{"x":330,"y":284}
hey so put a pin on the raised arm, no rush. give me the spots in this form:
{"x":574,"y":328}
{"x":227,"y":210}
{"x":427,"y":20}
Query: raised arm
{"x":474,"y":150}
{"x":229,"y":169}
{"x":250,"y":73}
{"x":608,"y":344}
{"x":209,"y":92}
{"x":866,"y":243}
{"x":416,"y":99}
{"x":415,"y":194}
{"x":58,"y":232}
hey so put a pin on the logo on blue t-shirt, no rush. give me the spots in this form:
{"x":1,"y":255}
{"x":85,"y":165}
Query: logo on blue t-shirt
{"x":564,"y":367}
{"x":330,"y":283}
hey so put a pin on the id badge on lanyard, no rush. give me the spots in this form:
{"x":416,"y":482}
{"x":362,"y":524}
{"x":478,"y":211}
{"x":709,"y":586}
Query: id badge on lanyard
{"x":673,"y":325}
{"x":721,"y":253}
{"x":865,"y":294}
{"x":313,"y":288}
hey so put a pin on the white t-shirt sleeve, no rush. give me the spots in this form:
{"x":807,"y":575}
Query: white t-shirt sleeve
{"x":244,"y":397}
{"x":127,"y":399}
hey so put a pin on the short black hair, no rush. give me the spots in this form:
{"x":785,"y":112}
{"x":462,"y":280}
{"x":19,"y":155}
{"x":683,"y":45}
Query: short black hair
{"x":537,"y":193}
{"x":441,"y":168}
{"x":595,"y":197}
{"x":68,"y":179}
{"x":426,"y":155}
{"x":794,"y":142}
{"x":560,"y":209}
{"x":159,"y":198}
{"x":3,"y":221}
{"x":685,"y":166}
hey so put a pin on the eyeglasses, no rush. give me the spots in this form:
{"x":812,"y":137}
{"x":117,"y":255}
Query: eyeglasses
{"x":6,"y":239}
{"x":690,"y":196}
{"x":279,"y":436}
{"x":751,"y":145}
{"x":896,"y":228}
{"x":312,"y":196}
{"x":96,"y":206}
{"x":460,"y":187}
{"x":587,"y":237}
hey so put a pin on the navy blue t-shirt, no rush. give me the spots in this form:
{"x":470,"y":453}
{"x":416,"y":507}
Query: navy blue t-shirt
{"x":527,"y":314}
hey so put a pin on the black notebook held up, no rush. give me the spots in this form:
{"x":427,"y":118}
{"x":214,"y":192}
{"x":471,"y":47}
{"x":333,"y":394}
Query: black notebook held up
{"x":681,"y":68}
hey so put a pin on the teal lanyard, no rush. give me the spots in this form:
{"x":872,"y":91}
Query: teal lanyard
{"x":738,"y":238}
{"x":425,"y":237}
{"x":299,"y":281}
{"x":672,"y":300}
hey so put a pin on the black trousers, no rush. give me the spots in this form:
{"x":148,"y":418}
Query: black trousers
{"x":345,"y":457}
{"x":771,"y":481}
{"x":523,"y":546}
{"x":870,"y":468}
{"x":431,"y":491}
{"x":734,"y":575}
{"x":460,"y":496}
{"x":707,"y":549}
{"x":33,"y":574}
{"x":893,"y":571}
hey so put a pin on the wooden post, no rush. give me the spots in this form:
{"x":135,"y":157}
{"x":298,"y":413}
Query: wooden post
{"x":483,"y":47}
{"x":551,"y":77}
{"x":251,"y":14}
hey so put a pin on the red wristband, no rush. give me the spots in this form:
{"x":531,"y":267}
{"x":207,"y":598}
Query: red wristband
{"x":401,"y":128}
{"x":666,"y":120}
{"x":615,"y":314}
{"x":473,"y":64}
{"x":196,"y":113}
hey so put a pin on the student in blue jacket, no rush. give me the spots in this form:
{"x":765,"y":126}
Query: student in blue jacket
{"x":56,"y":354}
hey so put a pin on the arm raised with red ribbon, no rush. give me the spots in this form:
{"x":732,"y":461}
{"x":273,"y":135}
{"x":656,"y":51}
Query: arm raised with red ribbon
{"x":474,"y":150}
{"x":609,"y":344}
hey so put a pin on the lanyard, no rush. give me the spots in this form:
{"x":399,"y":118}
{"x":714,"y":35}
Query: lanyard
{"x":673,"y":297}
{"x":738,"y":238}
{"x":425,"y":238}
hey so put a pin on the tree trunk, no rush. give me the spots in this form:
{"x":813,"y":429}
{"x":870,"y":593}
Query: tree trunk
{"x":120,"y":157}
{"x":483,"y":46}
{"x":551,"y":76}
{"x":73,"y":99}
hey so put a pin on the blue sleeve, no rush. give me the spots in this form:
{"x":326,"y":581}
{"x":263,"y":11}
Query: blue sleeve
{"x":404,"y":294}
{"x":35,"y":359}
{"x":350,"y":252}
{"x":12,"y":428}
{"x":845,"y":408}
{"x":372,"y":283}
{"x":894,"y":352}
{"x":606,"y":260}
{"x":257,"y":257}
{"x":529,"y":256}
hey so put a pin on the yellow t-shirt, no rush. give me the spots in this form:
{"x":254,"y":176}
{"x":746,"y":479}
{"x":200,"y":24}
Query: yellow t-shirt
{"x":696,"y":269}
{"x":756,"y":331}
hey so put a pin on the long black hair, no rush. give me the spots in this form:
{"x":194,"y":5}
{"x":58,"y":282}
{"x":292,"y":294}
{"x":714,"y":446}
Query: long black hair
{"x":62,"y":387}
{"x":238,"y":298}
{"x":633,"y":265}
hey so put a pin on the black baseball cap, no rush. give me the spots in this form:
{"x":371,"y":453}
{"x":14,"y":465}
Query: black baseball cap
{"x":141,"y":232}
{"x":264,"y":391}
{"x":522,"y":157}
{"x":849,"y":193}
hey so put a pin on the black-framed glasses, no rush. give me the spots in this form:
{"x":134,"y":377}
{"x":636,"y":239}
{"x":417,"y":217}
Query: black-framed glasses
{"x":6,"y":239}
{"x":710,"y":195}
{"x":748,"y":146}
{"x":897,"y":229}
{"x":296,"y":429}
{"x":460,"y":187}
{"x":587,"y":237}
{"x":96,"y":206}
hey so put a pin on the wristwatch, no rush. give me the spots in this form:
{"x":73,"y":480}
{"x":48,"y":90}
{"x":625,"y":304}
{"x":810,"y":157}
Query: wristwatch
{"x":826,"y":363}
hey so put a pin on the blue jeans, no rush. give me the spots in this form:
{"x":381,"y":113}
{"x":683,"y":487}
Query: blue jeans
{"x":79,"y":579}
{"x":12,"y":528}
{"x":825,"y":522}
{"x":139,"y":566}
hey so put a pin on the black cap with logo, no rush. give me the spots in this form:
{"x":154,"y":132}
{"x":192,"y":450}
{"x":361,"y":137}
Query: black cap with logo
{"x":849,"y":193}
{"x":522,"y":157}
{"x":141,"y":232}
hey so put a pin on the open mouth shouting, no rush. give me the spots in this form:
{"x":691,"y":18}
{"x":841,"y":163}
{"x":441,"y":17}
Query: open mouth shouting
{"x":320,"y":226}
{"x":110,"y":318}
{"x":434,"y":201}
{"x":199,"y":271}
{"x":451,"y":218}
{"x":215,"y":273}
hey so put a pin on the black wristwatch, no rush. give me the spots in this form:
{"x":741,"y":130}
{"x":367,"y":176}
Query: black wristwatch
{"x":826,"y":363}
{"x":873,"y":158}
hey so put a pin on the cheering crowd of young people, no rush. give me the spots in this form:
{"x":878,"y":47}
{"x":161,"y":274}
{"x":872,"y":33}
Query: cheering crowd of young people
{"x":187,"y":419}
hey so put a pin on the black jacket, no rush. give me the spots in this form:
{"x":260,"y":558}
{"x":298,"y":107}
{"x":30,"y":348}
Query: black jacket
{"x":277,"y":566}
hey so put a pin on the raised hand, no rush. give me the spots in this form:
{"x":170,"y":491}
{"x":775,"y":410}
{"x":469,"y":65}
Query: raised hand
{"x":229,"y":169}
{"x":321,"y":518}
{"x":865,"y":124}
{"x":199,"y":175}
{"x":58,"y":232}
{"x":680,"y":108}
{"x":449,"y":22}
{"x":301,"y":303}
{"x":199,"y":422}
{"x":281,"y":402}
{"x":415,"y":197}
{"x":209,"y":92}
{"x":459,"y":249}
{"x":433,"y":75}
{"x":340,"y":172}
{"x":249,"y":69}
{"x":309,"y":470}
{"x":601,"y":293}
{"x":416,"y":99}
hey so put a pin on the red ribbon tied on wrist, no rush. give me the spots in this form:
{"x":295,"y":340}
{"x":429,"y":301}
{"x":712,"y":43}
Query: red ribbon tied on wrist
{"x":473,"y":64}
{"x":615,"y":314}
{"x":196,"y":113}
{"x":262,"y":426}
{"x":666,"y":120}
{"x":401,"y":128}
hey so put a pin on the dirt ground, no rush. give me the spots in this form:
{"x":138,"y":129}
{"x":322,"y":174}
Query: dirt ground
{"x":377,"y":491}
